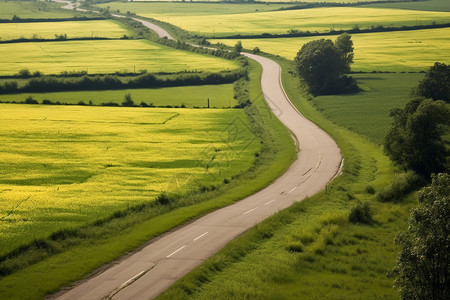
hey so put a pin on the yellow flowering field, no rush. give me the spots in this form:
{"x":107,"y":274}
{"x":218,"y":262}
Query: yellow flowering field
{"x":104,"y":56}
{"x":383,"y":51}
{"x":64,"y":166}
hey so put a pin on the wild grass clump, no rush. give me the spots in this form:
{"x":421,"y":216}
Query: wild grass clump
{"x":401,"y":185}
{"x":361,"y":213}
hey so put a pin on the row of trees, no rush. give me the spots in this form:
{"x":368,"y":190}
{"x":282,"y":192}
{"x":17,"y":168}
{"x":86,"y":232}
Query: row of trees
{"x":113,"y":82}
{"x":418,"y":140}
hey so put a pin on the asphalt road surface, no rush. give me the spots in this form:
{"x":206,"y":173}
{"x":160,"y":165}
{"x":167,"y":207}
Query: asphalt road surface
{"x":150,"y":271}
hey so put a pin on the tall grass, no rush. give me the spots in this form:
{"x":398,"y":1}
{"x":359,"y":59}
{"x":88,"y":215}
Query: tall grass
{"x":311,"y":250}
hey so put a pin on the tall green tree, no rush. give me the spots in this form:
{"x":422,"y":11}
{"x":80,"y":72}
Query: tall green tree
{"x":416,"y":138}
{"x":238,"y":47}
{"x":322,"y":65}
{"x":436,"y":84}
{"x":423,"y":266}
{"x":345,"y":44}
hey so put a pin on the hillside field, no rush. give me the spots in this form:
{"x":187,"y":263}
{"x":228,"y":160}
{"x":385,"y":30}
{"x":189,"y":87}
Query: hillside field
{"x":397,"y":51}
{"x":33,"y":9}
{"x":73,"y":29}
{"x":104,"y":56}
{"x":187,"y":8}
{"x":219,"y":96}
{"x":433,"y":5}
{"x":65,"y":166}
{"x":314,"y":19}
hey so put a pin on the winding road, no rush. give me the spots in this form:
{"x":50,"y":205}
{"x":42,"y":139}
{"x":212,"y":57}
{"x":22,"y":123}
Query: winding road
{"x":150,"y":271}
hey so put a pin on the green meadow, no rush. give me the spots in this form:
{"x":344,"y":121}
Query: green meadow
{"x":73,"y":29}
{"x":104,"y":56}
{"x":189,"y":96}
{"x":33,"y":9}
{"x":314,"y":19}
{"x":66,"y":166}
{"x":381,"y":93}
{"x":397,"y":51}
{"x":311,"y":250}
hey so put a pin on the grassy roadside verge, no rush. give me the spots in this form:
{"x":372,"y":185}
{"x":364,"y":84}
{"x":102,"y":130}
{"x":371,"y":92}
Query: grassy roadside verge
{"x":311,"y":250}
{"x":106,"y":240}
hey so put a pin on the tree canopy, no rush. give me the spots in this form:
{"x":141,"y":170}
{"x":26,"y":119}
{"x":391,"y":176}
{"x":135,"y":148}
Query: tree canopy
{"x":415,"y":139}
{"x":436,"y":84}
{"x":322,"y":64}
{"x":422,"y":270}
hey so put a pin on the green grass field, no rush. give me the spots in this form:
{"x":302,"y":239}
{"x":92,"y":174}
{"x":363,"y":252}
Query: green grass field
{"x":64,"y":166}
{"x":367,"y":112}
{"x":335,"y":259}
{"x":385,"y":51}
{"x":99,"y":56}
{"x":73,"y":29}
{"x":316,"y":19}
{"x":219,"y":96}
{"x":33,"y":10}
{"x":432,"y":5}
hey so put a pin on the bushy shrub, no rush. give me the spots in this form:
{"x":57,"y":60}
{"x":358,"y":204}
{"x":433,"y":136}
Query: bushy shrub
{"x":402,"y":184}
{"x":361,"y":213}
{"x":163,"y":199}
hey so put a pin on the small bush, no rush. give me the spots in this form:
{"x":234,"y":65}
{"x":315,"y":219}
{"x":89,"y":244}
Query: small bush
{"x":163,"y":199}
{"x":48,"y":102}
{"x":30,"y":100}
{"x":294,"y":246}
{"x":401,"y":185}
{"x":361,"y":213}
{"x":370,"y":190}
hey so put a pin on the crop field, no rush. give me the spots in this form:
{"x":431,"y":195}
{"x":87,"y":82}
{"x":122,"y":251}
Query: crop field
{"x":315,"y":19}
{"x":32,"y":9}
{"x":73,"y":29}
{"x":432,"y":5}
{"x":384,"y":51}
{"x":189,"y":96}
{"x":382,"y":92}
{"x":63,"y":166}
{"x":187,"y":9}
{"x":100,"y":56}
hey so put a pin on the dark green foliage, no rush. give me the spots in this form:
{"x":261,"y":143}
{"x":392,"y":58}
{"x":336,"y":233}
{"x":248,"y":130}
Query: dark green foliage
{"x":256,"y":50}
{"x":401,"y":185}
{"x":361,"y":213}
{"x":24,"y":73}
{"x":188,"y":47}
{"x":128,"y":101}
{"x":163,"y":199}
{"x":422,"y":270}
{"x":241,"y":94}
{"x":345,"y":44}
{"x":295,"y":246}
{"x":114,"y":82}
{"x":238,"y":47}
{"x":322,"y":65}
{"x":436,"y":84}
{"x":30,"y":100}
{"x":415,"y":139}
{"x":370,"y":189}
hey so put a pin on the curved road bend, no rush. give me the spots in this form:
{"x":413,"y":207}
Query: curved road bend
{"x":148,"y":272}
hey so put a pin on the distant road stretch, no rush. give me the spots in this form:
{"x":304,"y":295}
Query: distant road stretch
{"x":147,"y":273}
